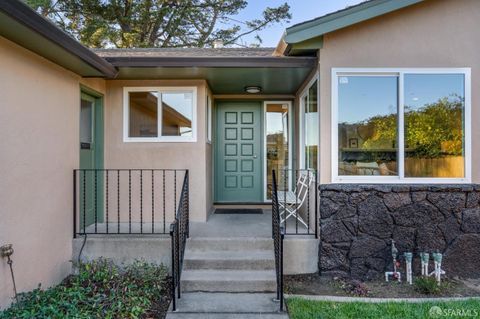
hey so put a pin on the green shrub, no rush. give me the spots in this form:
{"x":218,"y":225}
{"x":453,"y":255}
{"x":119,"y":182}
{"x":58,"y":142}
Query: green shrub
{"x":429,"y":286}
{"x":99,"y":290}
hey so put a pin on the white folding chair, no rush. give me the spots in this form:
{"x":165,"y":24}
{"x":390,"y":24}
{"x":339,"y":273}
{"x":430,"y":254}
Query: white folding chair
{"x":290,"y":202}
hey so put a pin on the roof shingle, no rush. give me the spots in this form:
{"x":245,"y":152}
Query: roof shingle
{"x":185,"y":52}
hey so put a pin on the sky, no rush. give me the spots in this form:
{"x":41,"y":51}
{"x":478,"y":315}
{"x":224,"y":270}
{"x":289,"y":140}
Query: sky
{"x":362,"y":97}
{"x":301,"y":10}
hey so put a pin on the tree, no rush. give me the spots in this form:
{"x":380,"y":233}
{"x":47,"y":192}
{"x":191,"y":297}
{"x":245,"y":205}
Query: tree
{"x":155,"y":23}
{"x":432,"y":130}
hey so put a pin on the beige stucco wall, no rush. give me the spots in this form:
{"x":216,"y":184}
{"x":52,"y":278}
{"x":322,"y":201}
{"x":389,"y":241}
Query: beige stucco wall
{"x":209,"y":155}
{"x":435,"y":33}
{"x":39,"y":108}
{"x":161,"y":155}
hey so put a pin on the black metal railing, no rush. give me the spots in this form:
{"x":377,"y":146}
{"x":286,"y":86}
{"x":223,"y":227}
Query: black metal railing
{"x":125,"y":201}
{"x":179,"y":232}
{"x":278,"y":236}
{"x":297,"y":191}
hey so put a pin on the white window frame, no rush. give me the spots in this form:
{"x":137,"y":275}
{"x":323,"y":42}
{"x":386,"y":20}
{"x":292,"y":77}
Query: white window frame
{"x":290,"y":144}
{"x":301,"y":122}
{"x":208,"y":114}
{"x":159,"y":138}
{"x":400,"y":72}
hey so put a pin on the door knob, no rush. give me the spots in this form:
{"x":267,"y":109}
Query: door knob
{"x":255,"y":156}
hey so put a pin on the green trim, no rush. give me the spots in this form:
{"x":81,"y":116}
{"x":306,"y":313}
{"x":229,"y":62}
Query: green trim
{"x":310,"y":46}
{"x":343,"y":18}
{"x":99,"y":122}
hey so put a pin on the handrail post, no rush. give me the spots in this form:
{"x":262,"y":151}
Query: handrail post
{"x":282,"y":236}
{"x":177,"y":256}
{"x":172,"y":236}
{"x":188,"y":202}
{"x":316,"y":204}
{"x":74,"y":204}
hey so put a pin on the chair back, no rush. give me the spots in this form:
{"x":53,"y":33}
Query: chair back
{"x":305,"y":180}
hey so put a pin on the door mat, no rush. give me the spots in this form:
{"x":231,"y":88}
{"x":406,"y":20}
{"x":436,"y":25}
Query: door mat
{"x":238,"y":211}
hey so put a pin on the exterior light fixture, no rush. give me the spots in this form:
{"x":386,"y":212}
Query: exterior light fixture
{"x":253,"y":89}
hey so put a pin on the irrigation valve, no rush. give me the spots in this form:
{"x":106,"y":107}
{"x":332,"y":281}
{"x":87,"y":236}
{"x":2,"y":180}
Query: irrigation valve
{"x":395,"y":274}
{"x":424,"y":259}
{"x":438,"y":272}
{"x":6,"y":251}
{"x":408,"y":264}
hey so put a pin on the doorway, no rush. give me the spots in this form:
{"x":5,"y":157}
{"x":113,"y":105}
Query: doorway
{"x":91,"y":158}
{"x":239,"y":154}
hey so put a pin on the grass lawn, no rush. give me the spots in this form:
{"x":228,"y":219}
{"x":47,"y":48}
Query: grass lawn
{"x":305,"y":309}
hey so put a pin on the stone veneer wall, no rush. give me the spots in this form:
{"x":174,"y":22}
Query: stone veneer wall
{"x":358,"y":222}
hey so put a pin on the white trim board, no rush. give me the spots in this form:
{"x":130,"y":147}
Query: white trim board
{"x":301,"y":124}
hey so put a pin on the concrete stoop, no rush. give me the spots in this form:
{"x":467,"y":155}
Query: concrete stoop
{"x":228,"y":278}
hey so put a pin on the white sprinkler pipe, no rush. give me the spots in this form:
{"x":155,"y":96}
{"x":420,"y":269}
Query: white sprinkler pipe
{"x":437,"y":259}
{"x":408,"y":261}
{"x":424,"y":257}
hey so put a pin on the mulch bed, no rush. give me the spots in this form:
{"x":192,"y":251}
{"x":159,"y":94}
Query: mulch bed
{"x":160,"y":307}
{"x":314,"y":284}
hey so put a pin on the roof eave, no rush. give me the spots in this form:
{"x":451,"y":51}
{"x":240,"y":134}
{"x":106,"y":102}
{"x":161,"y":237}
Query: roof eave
{"x":24,"y":15}
{"x":214,"y":62}
{"x":343,"y":18}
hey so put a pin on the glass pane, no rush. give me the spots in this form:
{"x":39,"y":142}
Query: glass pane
{"x":86,"y":109}
{"x":209,"y":119}
{"x":143,"y":114}
{"x":367,"y":125}
{"x":177,"y":114}
{"x":434,"y":125}
{"x":277,"y":144}
{"x":311,"y":127}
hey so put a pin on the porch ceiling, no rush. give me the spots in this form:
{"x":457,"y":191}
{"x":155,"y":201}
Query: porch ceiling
{"x":224,"y":80}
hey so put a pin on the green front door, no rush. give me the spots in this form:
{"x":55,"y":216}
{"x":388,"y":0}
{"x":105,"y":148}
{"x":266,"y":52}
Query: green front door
{"x":238,"y":160}
{"x":91,"y":159}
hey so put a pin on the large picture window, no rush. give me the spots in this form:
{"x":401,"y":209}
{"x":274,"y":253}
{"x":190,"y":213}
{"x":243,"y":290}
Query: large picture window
{"x":399,"y":125}
{"x":159,"y":114}
{"x":309,"y":127}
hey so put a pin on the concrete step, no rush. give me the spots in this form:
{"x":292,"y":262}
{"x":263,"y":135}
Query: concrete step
{"x":228,"y":280}
{"x":182,"y":315}
{"x":227,"y":305}
{"x":231,"y":244}
{"x":229,"y":260}
{"x":211,"y":302}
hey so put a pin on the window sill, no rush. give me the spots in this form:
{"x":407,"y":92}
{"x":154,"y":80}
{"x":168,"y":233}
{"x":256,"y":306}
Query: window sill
{"x":159,"y":140}
{"x":397,"y":180}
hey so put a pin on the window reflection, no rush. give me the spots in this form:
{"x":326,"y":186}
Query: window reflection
{"x":310,"y":122}
{"x":143,"y":114}
{"x":434,"y":129}
{"x":86,"y":109}
{"x":367,"y":125}
{"x":276,"y":125}
{"x":177,"y":114}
